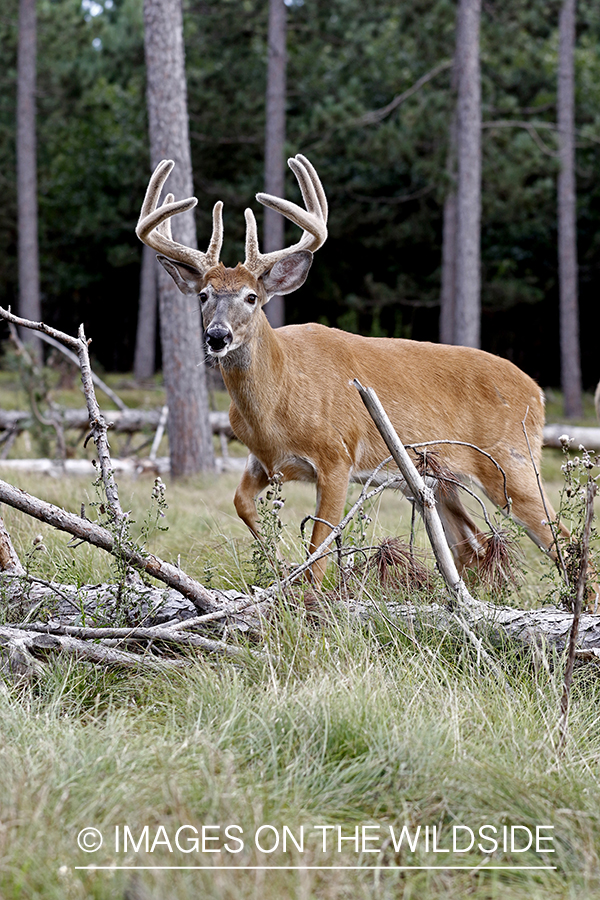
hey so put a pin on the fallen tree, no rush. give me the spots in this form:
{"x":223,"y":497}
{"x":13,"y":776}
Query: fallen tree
{"x":127,"y":421}
{"x":156,"y":622}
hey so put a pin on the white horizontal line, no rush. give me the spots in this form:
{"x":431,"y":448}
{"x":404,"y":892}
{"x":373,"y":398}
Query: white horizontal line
{"x":298,"y":868}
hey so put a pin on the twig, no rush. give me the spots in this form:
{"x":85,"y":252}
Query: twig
{"x":32,"y":579}
{"x":364,"y":496}
{"x":94,"y":534}
{"x":473,"y":447}
{"x":97,"y":423}
{"x":377,"y":115}
{"x":423,"y":496}
{"x":96,"y":378}
{"x":545,"y":505}
{"x":156,"y":633}
{"x":159,"y":432}
{"x":580,"y":593}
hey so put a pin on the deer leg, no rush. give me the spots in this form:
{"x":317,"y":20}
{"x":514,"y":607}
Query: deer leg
{"x":332,"y":489}
{"x":254,"y":480}
{"x":529,"y":506}
{"x":466,"y":541}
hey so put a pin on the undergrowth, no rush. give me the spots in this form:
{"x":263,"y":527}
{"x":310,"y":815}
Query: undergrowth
{"x":334,"y":724}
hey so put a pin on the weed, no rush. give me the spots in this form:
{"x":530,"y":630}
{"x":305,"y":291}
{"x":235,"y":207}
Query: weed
{"x":265,"y":554}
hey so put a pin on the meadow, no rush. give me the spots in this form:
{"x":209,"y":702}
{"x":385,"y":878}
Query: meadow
{"x":291,"y":772}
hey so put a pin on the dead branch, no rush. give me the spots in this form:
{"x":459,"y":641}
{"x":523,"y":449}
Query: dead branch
{"x":98,"y":424}
{"x":547,"y":627}
{"x":9,"y":559}
{"x":150,"y":634}
{"x":422,"y":495}
{"x":96,"y":378}
{"x":94,"y":534}
{"x":579,"y":595}
{"x":23,"y":652}
{"x":127,"y":421}
{"x":377,"y":115}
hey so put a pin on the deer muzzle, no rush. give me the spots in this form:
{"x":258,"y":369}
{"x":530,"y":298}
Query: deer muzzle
{"x":218,"y":338}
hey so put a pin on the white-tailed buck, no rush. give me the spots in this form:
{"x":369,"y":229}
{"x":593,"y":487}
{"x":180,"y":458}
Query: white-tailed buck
{"x":292,"y":402}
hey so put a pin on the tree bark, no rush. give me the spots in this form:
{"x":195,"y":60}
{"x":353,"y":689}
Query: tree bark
{"x":274,"y":236}
{"x":190,"y":439}
{"x":468,"y":202}
{"x":567,"y":216}
{"x":28,"y":254}
{"x":128,"y":421}
{"x":145,"y":340}
{"x":448,"y":281}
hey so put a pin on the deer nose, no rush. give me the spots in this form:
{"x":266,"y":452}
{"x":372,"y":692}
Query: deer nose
{"x":218,"y":337}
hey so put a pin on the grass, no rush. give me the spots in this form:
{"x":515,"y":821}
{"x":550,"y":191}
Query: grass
{"x":339,"y":727}
{"x":337,"y":724}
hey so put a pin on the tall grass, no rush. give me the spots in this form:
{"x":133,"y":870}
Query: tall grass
{"x":335,"y":724}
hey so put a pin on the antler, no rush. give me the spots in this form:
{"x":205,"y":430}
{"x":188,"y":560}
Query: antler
{"x":154,"y":225}
{"x":313,"y":219}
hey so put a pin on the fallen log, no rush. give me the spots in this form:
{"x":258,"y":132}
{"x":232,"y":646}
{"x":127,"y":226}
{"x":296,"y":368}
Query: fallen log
{"x":131,"y":466}
{"x":589,"y":437}
{"x":126,"y":421}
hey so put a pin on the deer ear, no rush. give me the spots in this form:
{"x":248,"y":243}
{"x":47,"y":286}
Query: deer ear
{"x":288,"y":274}
{"x":188,"y":279}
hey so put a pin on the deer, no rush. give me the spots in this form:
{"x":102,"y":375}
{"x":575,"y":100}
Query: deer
{"x":292,"y":400}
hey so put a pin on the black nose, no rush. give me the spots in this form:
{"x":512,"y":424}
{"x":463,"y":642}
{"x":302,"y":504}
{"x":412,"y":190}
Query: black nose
{"x":218,"y":337}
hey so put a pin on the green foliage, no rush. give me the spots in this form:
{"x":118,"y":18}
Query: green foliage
{"x":379,"y":271}
{"x":578,"y":472}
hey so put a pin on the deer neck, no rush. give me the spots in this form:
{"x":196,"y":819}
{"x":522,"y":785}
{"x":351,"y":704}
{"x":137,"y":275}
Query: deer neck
{"x":254,"y":373}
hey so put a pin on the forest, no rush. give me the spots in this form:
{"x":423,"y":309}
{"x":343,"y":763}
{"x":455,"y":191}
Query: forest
{"x":384,"y":172}
{"x":406,"y":704}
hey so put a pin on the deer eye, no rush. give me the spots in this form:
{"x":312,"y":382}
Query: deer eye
{"x":203,"y":296}
{"x":251,"y":299}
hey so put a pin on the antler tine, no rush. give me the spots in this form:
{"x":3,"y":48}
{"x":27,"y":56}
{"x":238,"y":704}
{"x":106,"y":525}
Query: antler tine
{"x":216,"y":241}
{"x":313,"y":219}
{"x":315,"y":181}
{"x":154,"y":225}
{"x":165,"y":227}
{"x":253,"y":254}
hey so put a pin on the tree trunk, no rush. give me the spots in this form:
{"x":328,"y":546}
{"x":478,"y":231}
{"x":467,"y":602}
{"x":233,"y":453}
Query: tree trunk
{"x":29,"y":269}
{"x":567,"y":216}
{"x":190,"y":440}
{"x":275,"y":143}
{"x":448,"y":281}
{"x":468,"y":202}
{"x":145,"y":340}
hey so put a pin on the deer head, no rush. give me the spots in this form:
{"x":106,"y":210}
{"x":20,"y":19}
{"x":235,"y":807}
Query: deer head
{"x":231,"y":299}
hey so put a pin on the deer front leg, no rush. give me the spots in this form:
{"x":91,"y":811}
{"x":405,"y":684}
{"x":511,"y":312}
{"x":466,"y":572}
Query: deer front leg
{"x":332,"y":488}
{"x":254,"y":480}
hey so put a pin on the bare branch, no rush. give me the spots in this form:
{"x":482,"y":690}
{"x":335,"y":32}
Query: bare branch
{"x":423,"y":497}
{"x":96,"y":378}
{"x":551,"y":524}
{"x":154,"y":633}
{"x":580,"y":593}
{"x":10,"y":564}
{"x":377,"y":115}
{"x":94,"y":534}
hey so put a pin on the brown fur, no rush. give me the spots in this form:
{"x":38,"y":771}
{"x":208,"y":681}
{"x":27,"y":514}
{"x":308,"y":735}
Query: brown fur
{"x":296,"y":411}
{"x":293,"y":404}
